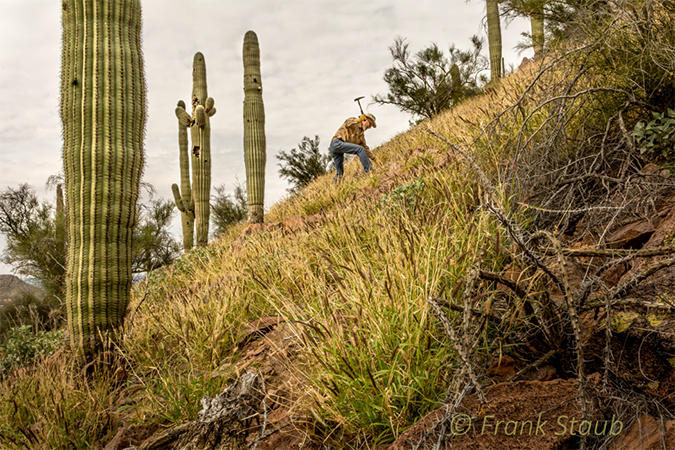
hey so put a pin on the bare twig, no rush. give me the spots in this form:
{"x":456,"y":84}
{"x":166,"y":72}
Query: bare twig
{"x":464,"y":358}
{"x":534,"y":365}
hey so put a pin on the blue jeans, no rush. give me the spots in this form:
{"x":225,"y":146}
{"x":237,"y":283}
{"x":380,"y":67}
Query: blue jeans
{"x":337,"y":150}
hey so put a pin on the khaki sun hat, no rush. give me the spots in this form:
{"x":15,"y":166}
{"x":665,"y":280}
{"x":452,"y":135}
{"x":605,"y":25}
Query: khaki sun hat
{"x":371,"y":118}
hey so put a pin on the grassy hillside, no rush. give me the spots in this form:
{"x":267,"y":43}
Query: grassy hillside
{"x":363,"y":283}
{"x":356,"y":286}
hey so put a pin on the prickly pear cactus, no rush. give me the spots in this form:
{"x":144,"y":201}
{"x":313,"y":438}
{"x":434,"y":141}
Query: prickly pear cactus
{"x":193,"y":201}
{"x":103,"y":115}
{"x":255,"y":155}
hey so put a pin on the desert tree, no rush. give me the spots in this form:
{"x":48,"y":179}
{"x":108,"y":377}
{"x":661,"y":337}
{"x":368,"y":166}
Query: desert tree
{"x":302,"y":165}
{"x":228,"y":209}
{"x":35,"y":246}
{"x":431,"y":81}
{"x":153,"y":244}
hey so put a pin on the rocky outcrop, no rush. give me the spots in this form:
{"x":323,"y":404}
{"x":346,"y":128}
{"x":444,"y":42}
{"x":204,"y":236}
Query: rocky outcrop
{"x":222,"y":424}
{"x":525,"y":414}
{"x":647,"y":433}
{"x":290,"y":224}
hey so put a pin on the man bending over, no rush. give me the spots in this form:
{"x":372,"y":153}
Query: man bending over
{"x":350,"y":139}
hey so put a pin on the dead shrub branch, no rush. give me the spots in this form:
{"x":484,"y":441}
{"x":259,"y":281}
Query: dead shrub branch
{"x":560,"y":172}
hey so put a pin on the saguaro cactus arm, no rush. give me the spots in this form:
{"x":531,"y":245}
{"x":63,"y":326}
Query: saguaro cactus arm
{"x":210,"y":108}
{"x":184,"y":201}
{"x":255,"y":155}
{"x":183,"y":117}
{"x":177,"y":198}
{"x":200,"y":116}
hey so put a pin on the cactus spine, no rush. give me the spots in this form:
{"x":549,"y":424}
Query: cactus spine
{"x":254,"y":129}
{"x":193,"y":201}
{"x":103,"y":116}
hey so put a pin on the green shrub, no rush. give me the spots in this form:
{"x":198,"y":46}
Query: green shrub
{"x":29,"y":308}
{"x":656,"y":139}
{"x":405,"y":196}
{"x":23,"y":347}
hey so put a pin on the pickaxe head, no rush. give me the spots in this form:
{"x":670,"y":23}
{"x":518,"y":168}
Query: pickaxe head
{"x":358,"y":100}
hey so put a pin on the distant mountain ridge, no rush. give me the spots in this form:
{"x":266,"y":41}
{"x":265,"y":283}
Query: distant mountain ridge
{"x":12,"y":286}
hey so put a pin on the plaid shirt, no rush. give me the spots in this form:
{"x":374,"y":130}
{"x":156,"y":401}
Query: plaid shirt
{"x":351,"y":132}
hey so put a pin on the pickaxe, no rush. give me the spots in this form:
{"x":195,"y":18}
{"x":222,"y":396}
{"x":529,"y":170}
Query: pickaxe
{"x":358,"y":100}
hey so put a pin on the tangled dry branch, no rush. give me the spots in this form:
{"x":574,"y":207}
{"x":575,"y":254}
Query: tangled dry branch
{"x":568,"y":167}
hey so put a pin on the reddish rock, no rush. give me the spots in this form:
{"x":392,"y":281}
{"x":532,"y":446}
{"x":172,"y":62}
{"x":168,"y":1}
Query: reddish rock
{"x":647,"y":433}
{"x":654,"y":169}
{"x":524,"y":63}
{"x":520,"y":415}
{"x":638,"y":344}
{"x":502,"y":369}
{"x":258,"y":328}
{"x":256,"y":228}
{"x":294,"y":223}
{"x":575,"y":271}
{"x":612,"y":276}
{"x":633,"y":235}
{"x":511,"y":272}
{"x":313,"y":220}
{"x":130,"y":437}
{"x":662,"y":281}
{"x":368,"y":192}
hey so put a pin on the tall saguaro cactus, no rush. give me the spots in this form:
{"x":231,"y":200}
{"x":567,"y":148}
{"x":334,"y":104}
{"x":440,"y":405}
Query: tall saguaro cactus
{"x":255,"y":155}
{"x":103,"y":116}
{"x":193,"y":201}
{"x":537,"y":24}
{"x":456,"y":83}
{"x":494,"y":39}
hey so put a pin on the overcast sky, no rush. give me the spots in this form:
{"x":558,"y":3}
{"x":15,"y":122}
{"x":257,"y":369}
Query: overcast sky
{"x":316,"y":57}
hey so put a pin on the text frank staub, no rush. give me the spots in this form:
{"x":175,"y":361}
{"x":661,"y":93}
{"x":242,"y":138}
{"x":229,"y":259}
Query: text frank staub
{"x":461,"y":424}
